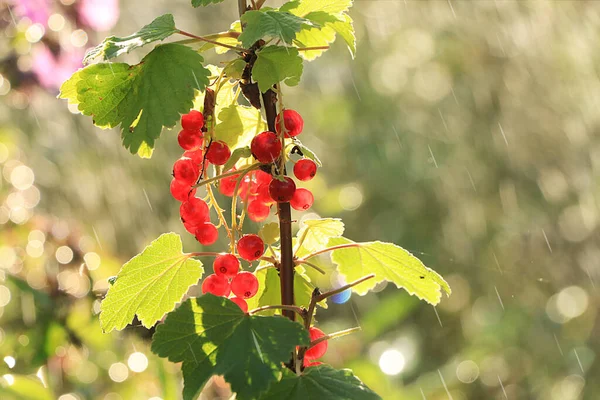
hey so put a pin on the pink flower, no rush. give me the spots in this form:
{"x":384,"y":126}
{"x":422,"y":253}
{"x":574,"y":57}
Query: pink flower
{"x":38,"y":11}
{"x":50,"y":70}
{"x":100,"y":15}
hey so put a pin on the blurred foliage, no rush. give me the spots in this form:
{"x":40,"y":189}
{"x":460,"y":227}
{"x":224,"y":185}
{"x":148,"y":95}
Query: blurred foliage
{"x":464,"y":131}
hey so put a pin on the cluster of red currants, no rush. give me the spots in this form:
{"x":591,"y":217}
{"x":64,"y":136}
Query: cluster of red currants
{"x":316,"y":351}
{"x":228,"y":280}
{"x":194,"y":212}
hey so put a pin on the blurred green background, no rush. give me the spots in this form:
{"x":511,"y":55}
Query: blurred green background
{"x":466,"y":132}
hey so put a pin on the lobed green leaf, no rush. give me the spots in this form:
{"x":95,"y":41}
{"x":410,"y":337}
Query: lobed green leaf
{"x":212,"y":336}
{"x":198,"y":3}
{"x":388,"y":262}
{"x":150,"y":284}
{"x":271,"y":25}
{"x":113,"y":46}
{"x":238,"y":125}
{"x":320,"y":382}
{"x":277,"y":64}
{"x":316,"y":233}
{"x":141,"y":98}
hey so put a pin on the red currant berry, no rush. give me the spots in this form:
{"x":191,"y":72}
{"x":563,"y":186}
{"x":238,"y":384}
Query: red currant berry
{"x":227,"y":185}
{"x":194,"y":211}
{"x":189,"y":140}
{"x":317,"y":350}
{"x":282,"y":191}
{"x":194,"y":120}
{"x":218,"y":153}
{"x":190,"y":228}
{"x":185,"y":170}
{"x":197,"y":156}
{"x":207,"y":234}
{"x":302,"y":200}
{"x":258,"y":211}
{"x":250,"y":247}
{"x":308,"y":363}
{"x":216,"y":285}
{"x":293,"y":123}
{"x":244,"y":285}
{"x":181,"y":191}
{"x":266,"y":147}
{"x":226,"y":265}
{"x":241,"y":303}
{"x":305,"y":169}
{"x":262,"y":177}
{"x":263,"y":195}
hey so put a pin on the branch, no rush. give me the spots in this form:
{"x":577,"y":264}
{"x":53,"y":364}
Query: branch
{"x":334,"y":336}
{"x":298,"y":262}
{"x":225,"y":175}
{"x":313,"y":48}
{"x":341,"y":246}
{"x":299,"y":310}
{"x":207,"y":40}
{"x":317,"y":296}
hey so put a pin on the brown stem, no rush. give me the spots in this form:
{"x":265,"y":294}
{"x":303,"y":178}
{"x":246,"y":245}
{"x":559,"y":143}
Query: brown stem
{"x":205,"y":39}
{"x":295,"y":309}
{"x":341,"y":246}
{"x":313,"y":48}
{"x":300,"y":262}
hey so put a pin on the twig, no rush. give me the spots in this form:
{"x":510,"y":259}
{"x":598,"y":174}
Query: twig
{"x":225,"y":175}
{"x":298,"y":262}
{"x":334,"y":336}
{"x":207,"y":40}
{"x":341,"y":246}
{"x":300,"y":311}
{"x":313,"y":48}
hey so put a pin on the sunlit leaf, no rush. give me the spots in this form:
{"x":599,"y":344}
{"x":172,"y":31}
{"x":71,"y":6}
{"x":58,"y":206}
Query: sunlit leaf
{"x":315,"y":234}
{"x":150,"y":284}
{"x":212,"y":336}
{"x":270,"y":25}
{"x":277,"y":64}
{"x":19,"y":387}
{"x":198,"y":3}
{"x":113,"y":46}
{"x":142,"y":98}
{"x":238,"y":125}
{"x":320,"y":382}
{"x":388,"y":262}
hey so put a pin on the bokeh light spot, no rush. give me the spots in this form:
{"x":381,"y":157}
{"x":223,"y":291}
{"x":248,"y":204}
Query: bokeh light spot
{"x":391,"y":362}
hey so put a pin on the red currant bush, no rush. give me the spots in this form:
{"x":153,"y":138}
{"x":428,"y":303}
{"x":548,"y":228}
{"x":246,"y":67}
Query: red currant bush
{"x":193,"y":121}
{"x":266,"y":147}
{"x":250,"y":247}
{"x":217,"y":285}
{"x":318,"y":350}
{"x":244,"y":285}
{"x":218,"y":153}
{"x":226,"y":265}
{"x":293,"y":123}
{"x":305,"y":169}
{"x":282,"y":191}
{"x":302,"y":199}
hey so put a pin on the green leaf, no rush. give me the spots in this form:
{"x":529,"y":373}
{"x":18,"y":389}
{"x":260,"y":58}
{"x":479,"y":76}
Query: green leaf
{"x":308,"y":153}
{"x":269,"y":292}
{"x":198,"y":3}
{"x":21,"y":387}
{"x":142,"y":98}
{"x":238,"y":125}
{"x":276,"y":64}
{"x":239,"y":153}
{"x":212,"y":336}
{"x":389,"y":263}
{"x":150,"y":284}
{"x":316,"y":234}
{"x":269,"y":233}
{"x":270,"y":24}
{"x":320,"y":382}
{"x":331,"y":17}
{"x":159,"y":29}
{"x":303,"y":7}
{"x":235,"y":69}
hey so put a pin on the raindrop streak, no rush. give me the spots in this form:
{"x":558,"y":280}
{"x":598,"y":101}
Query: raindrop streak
{"x":578,"y":360}
{"x":432,"y":156}
{"x":11,"y":15}
{"x":497,"y":263}
{"x":147,"y":199}
{"x":195,"y":79}
{"x":443,"y":120}
{"x":37,"y":121}
{"x":558,"y":345}
{"x":355,"y":316}
{"x":397,"y":136}
{"x":454,"y":95}
{"x":499,"y":299}
{"x":587,"y":271}
{"x":546,"y":238}
{"x":423,"y":394}
{"x":111,"y":69}
{"x":356,"y":89}
{"x":97,"y":238}
{"x":502,"y":386}
{"x":444,"y":383}
{"x":438,"y":316}
{"x":503,"y":134}
{"x":452,"y":8}
{"x":471,"y":179}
